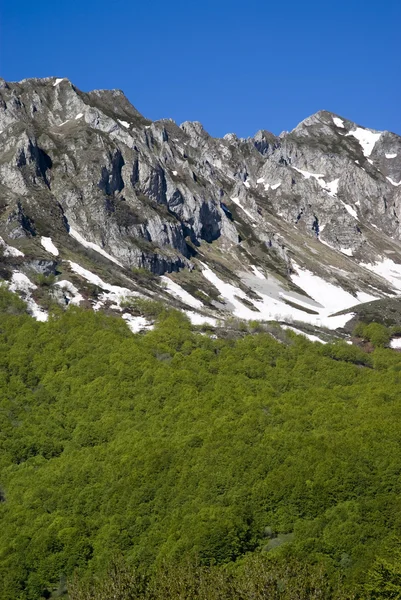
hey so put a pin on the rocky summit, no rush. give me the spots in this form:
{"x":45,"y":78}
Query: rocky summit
{"x":102,"y":208}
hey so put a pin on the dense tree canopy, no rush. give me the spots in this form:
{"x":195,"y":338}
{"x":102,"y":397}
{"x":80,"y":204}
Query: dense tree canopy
{"x":173,"y":444}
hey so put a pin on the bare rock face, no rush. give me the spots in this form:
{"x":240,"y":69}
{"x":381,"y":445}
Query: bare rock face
{"x":155,"y":195}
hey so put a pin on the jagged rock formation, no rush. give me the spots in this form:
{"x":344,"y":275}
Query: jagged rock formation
{"x":105,"y":184}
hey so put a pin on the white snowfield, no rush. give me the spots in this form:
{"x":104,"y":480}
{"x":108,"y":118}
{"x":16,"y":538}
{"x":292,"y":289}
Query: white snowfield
{"x":390,"y":155}
{"x":338,"y":122}
{"x":77,"y":236}
{"x":366,"y":138}
{"x":327,"y":299}
{"x":48,"y":245}
{"x":387,"y":269}
{"x":10,"y":250}
{"x":70,"y":292}
{"x":21,"y":283}
{"x":176,"y":290}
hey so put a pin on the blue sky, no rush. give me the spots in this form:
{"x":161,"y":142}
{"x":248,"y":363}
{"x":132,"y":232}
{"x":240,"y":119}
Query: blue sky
{"x":234,"y":66}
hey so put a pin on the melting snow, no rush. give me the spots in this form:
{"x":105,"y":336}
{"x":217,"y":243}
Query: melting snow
{"x":307,"y":174}
{"x":79,"y":116}
{"x":395,"y":343}
{"x":387,"y":269}
{"x":123,"y":123}
{"x":49,"y":246}
{"x":197,"y":319}
{"x":21,"y":283}
{"x":70,"y":291}
{"x":136,"y":324}
{"x":238,"y":203}
{"x":366,"y":138}
{"x":116,"y":294}
{"x":258,"y":273}
{"x":347,"y":251}
{"x":393,"y":182}
{"x":10,"y":250}
{"x":330,"y":297}
{"x":176,"y":290}
{"x":391,"y":155}
{"x":338,"y":122}
{"x":77,"y":236}
{"x":332,"y":187}
{"x":57,"y":81}
{"x":273,"y":186}
{"x":350,"y":210}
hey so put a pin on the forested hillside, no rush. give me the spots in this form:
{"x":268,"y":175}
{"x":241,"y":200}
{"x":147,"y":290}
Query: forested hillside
{"x":174,"y":446}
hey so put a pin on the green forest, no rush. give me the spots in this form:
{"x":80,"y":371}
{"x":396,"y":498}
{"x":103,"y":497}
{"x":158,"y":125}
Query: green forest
{"x":174,"y":464}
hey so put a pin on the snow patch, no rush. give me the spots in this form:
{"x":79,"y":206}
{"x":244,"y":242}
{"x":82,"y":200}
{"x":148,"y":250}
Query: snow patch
{"x":136,"y":324}
{"x":175,"y":173}
{"x":58,"y":81}
{"x":176,"y":290}
{"x":347,"y":251}
{"x":366,"y":138}
{"x":70,"y":291}
{"x":77,"y":236}
{"x":238,"y":203}
{"x":197,"y":319}
{"x":123,"y":123}
{"x":273,"y":186}
{"x":79,"y":116}
{"x":260,"y":180}
{"x":330,"y":298}
{"x":48,"y":245}
{"x":247,"y":184}
{"x":350,"y":210}
{"x":395,"y":343}
{"x":10,"y":250}
{"x":21,"y":283}
{"x":390,"y":155}
{"x":393,"y":182}
{"x":114,"y":293}
{"x":338,"y":122}
{"x":331,"y":188}
{"x":258,"y":273}
{"x":388,"y":269}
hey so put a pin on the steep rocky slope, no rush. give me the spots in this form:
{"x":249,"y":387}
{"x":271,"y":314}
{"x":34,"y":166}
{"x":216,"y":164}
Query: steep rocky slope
{"x":101,"y":206}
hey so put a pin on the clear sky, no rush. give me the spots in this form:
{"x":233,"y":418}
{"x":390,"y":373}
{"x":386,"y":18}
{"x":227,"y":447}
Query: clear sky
{"x":234,"y":66}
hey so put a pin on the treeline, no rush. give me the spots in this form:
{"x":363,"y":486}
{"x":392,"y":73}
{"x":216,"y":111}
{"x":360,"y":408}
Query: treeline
{"x":173,"y":448}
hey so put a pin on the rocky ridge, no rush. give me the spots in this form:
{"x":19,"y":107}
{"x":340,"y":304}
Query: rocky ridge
{"x":115,"y":207}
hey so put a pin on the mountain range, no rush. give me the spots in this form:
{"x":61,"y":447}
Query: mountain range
{"x":103,"y":208}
